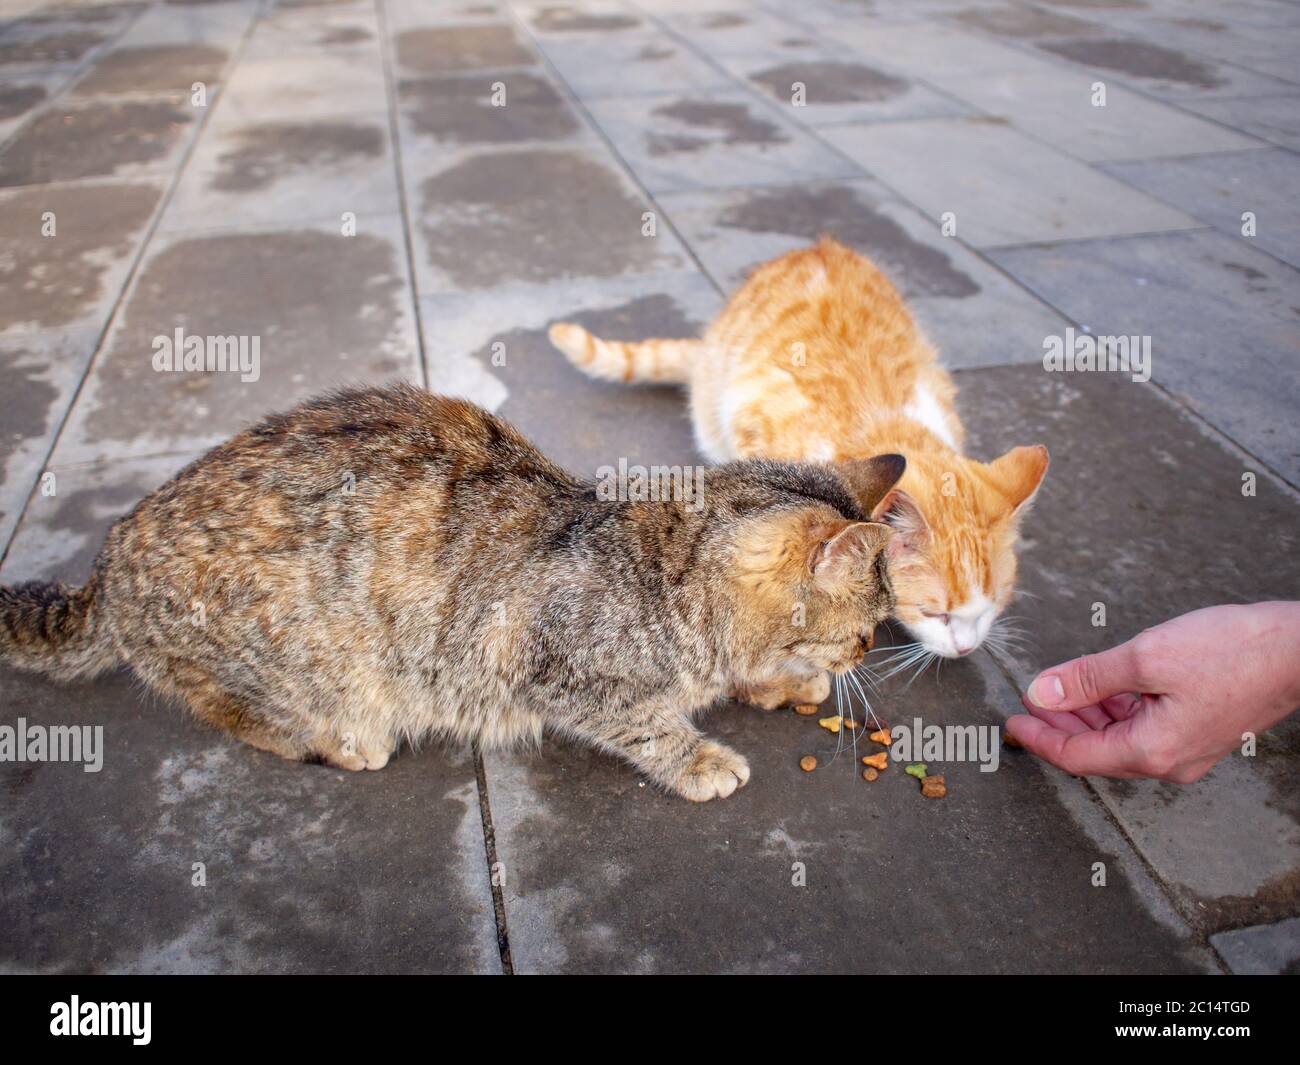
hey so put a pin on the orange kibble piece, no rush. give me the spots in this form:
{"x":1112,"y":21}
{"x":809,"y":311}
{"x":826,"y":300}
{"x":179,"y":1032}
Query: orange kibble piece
{"x":881,"y":736}
{"x":807,"y":763}
{"x":933,"y":788}
{"x":876,"y":761}
{"x":805,"y":709}
{"x":870,"y":773}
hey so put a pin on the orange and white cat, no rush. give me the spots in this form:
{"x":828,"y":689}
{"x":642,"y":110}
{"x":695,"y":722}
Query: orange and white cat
{"x":816,"y":358}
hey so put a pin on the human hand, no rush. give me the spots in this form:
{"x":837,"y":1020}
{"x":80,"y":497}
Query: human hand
{"x":1170,"y":702}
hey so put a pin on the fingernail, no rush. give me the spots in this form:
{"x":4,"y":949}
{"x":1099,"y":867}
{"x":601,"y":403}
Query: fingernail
{"x":1047,"y":691}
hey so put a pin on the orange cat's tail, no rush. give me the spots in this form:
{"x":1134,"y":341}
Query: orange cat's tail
{"x":661,"y":361}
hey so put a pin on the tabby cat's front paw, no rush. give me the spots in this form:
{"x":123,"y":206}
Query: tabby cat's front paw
{"x":714,"y":773}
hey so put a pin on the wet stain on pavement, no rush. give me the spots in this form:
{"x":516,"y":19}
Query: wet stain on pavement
{"x":831,"y":83}
{"x":645,"y":424}
{"x":538,"y":216}
{"x":94,"y":141}
{"x":17,"y":100}
{"x":454,"y":48}
{"x":55,"y":281}
{"x":52,"y":48}
{"x":153,"y":68}
{"x":269,"y":152}
{"x":1139,"y":59}
{"x":344,"y":35}
{"x":461,"y":109}
{"x":918,"y":269}
{"x":1024,"y":22}
{"x":729,"y":123}
{"x":25,"y":400}
{"x":322,"y":305}
{"x":562,"y":18}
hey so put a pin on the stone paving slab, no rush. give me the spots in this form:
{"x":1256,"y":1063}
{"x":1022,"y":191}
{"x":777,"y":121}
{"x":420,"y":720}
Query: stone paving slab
{"x":286,"y":172}
{"x":1003,"y":187}
{"x":21,"y":96}
{"x":1229,"y":845}
{"x":471,"y":352}
{"x":536,"y":215}
{"x":299,"y":87}
{"x":41,"y":372}
{"x":1263,"y":949}
{"x":304,"y":869}
{"x":975,"y":315}
{"x":713,"y":140}
{"x":1220,"y":315}
{"x":103,"y":138}
{"x":833,"y":85}
{"x":1271,"y":118}
{"x":627,"y":64}
{"x":327,"y":310}
{"x":68,"y":251}
{"x":1058,"y":109}
{"x":1220,"y":189}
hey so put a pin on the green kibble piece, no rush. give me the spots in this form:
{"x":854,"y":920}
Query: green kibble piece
{"x":917,"y":770}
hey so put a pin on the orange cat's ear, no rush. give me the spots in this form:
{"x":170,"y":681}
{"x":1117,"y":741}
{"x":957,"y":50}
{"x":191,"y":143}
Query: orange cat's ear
{"x":870,"y":479}
{"x":852,"y":548}
{"x":899,"y":511}
{"x":1018,"y":473}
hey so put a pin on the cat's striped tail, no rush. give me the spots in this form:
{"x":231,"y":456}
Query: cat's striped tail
{"x":660,"y":361}
{"x":53,"y":629}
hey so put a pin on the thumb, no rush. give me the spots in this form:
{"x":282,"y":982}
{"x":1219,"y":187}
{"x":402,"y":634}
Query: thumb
{"x":1088,"y":680}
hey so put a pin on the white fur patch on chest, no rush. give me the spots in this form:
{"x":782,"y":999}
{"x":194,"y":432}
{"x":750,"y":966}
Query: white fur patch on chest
{"x":924,"y":408}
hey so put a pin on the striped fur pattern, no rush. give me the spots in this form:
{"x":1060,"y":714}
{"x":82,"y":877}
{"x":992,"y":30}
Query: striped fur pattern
{"x":382,"y":565}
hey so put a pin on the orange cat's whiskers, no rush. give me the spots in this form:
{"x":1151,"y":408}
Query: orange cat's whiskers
{"x":856,"y":682}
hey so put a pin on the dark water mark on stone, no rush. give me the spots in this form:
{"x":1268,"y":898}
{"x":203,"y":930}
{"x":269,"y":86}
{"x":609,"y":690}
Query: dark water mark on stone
{"x":70,"y":13}
{"x":17,"y":100}
{"x":1096,"y":5}
{"x":1024,"y":22}
{"x":51,"y":282}
{"x":654,"y":52}
{"x":538,"y":215}
{"x":1139,"y":59}
{"x":444,"y":49}
{"x":563,"y":18}
{"x":918,"y":269}
{"x":53,"y":48}
{"x":153,"y":68}
{"x":272,"y":151}
{"x":67,"y":143}
{"x":344,"y":35}
{"x":831,"y":82}
{"x":646,"y":424}
{"x":323,"y":305}
{"x":730,"y":123}
{"x":459,"y":109}
{"x":25,"y":401}
{"x":724,"y":20}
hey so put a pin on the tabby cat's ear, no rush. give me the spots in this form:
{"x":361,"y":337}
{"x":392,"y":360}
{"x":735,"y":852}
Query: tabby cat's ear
{"x":850,"y":550}
{"x":899,"y":511}
{"x":1018,"y":473}
{"x":870,"y":479}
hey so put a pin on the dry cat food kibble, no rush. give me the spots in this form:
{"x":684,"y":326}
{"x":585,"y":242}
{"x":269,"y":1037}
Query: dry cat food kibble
{"x":881,"y":736}
{"x":807,"y":763}
{"x":806,"y":709}
{"x":851,"y":723}
{"x":933,"y":788}
{"x":876,"y":761}
{"x":917,"y":770}
{"x":870,"y":773}
{"x":831,"y":724}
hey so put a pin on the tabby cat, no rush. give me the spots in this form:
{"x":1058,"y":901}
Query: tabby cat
{"x":386,"y":564}
{"x":816,"y":358}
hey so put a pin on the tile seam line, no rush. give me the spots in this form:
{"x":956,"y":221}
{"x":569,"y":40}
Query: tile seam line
{"x":580,"y":107}
{"x":1194,"y":932}
{"x":399,"y":175}
{"x":132,"y":272}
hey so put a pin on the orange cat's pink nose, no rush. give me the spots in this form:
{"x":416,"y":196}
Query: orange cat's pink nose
{"x":965,"y":650}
